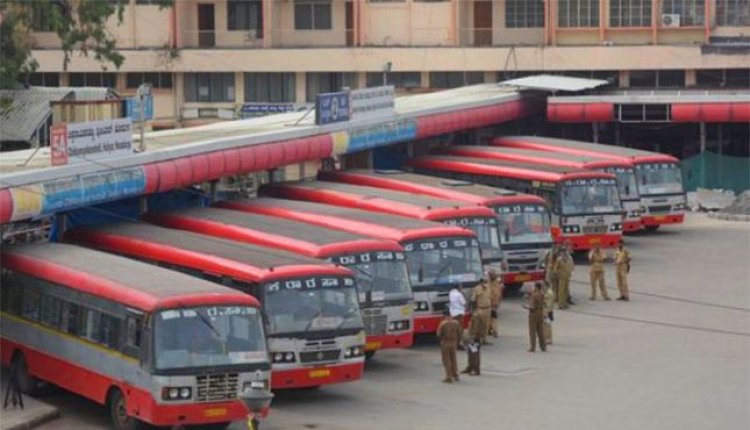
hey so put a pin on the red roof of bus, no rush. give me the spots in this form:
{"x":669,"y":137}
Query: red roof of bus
{"x":122,"y":280}
{"x":273,"y":232}
{"x":377,"y":199}
{"x":524,"y":171}
{"x":205,"y":253}
{"x":433,"y":186}
{"x":587,"y":149}
{"x":373,"y":224}
{"x":530,"y":156}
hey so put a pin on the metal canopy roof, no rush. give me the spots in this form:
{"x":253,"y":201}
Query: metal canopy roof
{"x":661,"y":97}
{"x":554,"y":83}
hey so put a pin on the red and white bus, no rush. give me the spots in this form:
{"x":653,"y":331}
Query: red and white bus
{"x":523,"y":219}
{"x":385,"y":296}
{"x":622,"y":169}
{"x":153,"y":345}
{"x":477,"y":218}
{"x":585,"y":205}
{"x":658,"y":176}
{"x":313,"y":326}
{"x":437,"y":256}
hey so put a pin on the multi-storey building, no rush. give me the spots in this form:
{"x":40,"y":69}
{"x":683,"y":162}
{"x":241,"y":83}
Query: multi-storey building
{"x":208,"y":58}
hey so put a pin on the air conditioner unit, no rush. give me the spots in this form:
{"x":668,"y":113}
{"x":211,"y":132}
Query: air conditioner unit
{"x":670,"y":20}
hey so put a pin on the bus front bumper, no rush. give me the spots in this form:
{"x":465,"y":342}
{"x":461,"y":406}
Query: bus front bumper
{"x":584,"y":243}
{"x":521,"y":277}
{"x":654,"y":220}
{"x":390,"y":341}
{"x":317,"y":376}
{"x":632,"y":226}
{"x":194,"y":413}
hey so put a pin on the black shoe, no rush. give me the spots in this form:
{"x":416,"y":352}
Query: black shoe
{"x":571,"y":302}
{"x":466,"y":371}
{"x":461,"y":348}
{"x":621,"y":298}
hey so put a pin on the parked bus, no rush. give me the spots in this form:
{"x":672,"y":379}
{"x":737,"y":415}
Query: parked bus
{"x":153,"y":345}
{"x":314,"y":330}
{"x":438,"y":256}
{"x":586,"y":208}
{"x":658,"y":176}
{"x":523,"y":219}
{"x":479,"y":219}
{"x":622,"y":169}
{"x":379,"y":266}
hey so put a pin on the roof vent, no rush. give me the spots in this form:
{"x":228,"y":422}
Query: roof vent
{"x":389,"y":171}
{"x":455,"y":183}
{"x":505,"y":193}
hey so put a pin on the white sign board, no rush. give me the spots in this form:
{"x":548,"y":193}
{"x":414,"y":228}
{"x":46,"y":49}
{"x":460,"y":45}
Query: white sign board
{"x":78,"y":142}
{"x":371,"y":102}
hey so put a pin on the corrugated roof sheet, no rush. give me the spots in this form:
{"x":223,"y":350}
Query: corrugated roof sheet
{"x":554,"y":83}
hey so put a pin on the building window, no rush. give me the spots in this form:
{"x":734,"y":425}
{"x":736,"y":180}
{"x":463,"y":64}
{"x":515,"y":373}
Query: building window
{"x":691,"y":12}
{"x":41,"y":79}
{"x":93,"y":79}
{"x":455,"y":79}
{"x":312,"y":15}
{"x":723,"y":78}
{"x":209,"y":87}
{"x":270,"y":87}
{"x":157,"y":80}
{"x":643,"y":78}
{"x":245,"y":15}
{"x":733,"y":13}
{"x":524,"y":13}
{"x":319,"y":83}
{"x":578,"y":13}
{"x":630,"y":13}
{"x":397,"y":79}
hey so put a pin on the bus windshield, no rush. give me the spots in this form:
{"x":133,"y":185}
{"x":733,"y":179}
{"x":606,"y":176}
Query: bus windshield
{"x":443,"y":262}
{"x":208,"y":336}
{"x":524,"y":224}
{"x":626,"y":182}
{"x":590,"y":196}
{"x":659,"y":178}
{"x":312,"y":304}
{"x":382,"y":279}
{"x":487,"y":233}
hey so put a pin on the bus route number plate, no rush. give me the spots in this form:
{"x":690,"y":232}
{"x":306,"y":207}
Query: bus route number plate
{"x":320,"y":373}
{"x":659,"y":218}
{"x":523,"y":278}
{"x":214,"y":412}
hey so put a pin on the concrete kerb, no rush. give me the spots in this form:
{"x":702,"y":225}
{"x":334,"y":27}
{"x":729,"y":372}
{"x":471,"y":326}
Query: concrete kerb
{"x":729,"y":217}
{"x":34,"y":413}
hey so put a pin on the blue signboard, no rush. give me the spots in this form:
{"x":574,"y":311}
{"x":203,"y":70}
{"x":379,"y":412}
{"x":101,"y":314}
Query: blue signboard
{"x":381,"y":134}
{"x":92,"y":188}
{"x":133,"y":108}
{"x":332,"y":107}
{"x":251,"y":110}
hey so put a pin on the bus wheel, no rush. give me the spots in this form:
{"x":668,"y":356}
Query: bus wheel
{"x":514,"y":287}
{"x":651,"y":228}
{"x":369,"y":354}
{"x":28,"y":384}
{"x":118,"y":413}
{"x":214,"y":426}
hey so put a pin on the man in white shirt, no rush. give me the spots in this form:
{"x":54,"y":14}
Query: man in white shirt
{"x":457,"y":308}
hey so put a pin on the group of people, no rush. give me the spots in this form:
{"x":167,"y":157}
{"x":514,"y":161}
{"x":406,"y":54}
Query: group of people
{"x":553,"y":291}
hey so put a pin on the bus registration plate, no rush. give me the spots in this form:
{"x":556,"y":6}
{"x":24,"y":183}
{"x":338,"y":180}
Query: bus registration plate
{"x":659,"y":218}
{"x":215,"y":412}
{"x":373,"y":346}
{"x":595,"y":241}
{"x":522,"y":277}
{"x":320,"y":373}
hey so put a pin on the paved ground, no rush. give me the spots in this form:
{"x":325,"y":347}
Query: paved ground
{"x":676,"y":357}
{"x":33,"y":413}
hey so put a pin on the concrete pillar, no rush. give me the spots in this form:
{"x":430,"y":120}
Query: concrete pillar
{"x":239,"y":87}
{"x":143,"y":205}
{"x":702,"y":127}
{"x":595,"y":129}
{"x":690,"y":78}
{"x":624,"y":79}
{"x":301,"y":86}
{"x":425,"y":78}
{"x":617,"y":134}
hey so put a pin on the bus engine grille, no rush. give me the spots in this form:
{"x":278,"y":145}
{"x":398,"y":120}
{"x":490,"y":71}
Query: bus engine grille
{"x":595,"y":229}
{"x":659,"y":209}
{"x":319,"y":356}
{"x":374,"y":323}
{"x":216,"y":387}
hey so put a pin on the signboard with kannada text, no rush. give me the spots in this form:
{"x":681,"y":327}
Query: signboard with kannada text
{"x":371,"y":102}
{"x":332,"y":107}
{"x":83,"y":141}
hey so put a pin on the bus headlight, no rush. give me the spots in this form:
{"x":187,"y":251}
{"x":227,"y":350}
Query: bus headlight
{"x":421,"y":306}
{"x":679,"y":207}
{"x":398,"y":325}
{"x":354,"y":352}
{"x":615,"y":227}
{"x":176,"y":393}
{"x":571,"y":229}
{"x":283,"y":357}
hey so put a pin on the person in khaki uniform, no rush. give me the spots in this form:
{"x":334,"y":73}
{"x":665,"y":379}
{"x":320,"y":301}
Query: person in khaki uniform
{"x":477,"y":329}
{"x":622,"y":260}
{"x":480,"y":298}
{"x":496,"y":297}
{"x":536,"y":318}
{"x":597,"y":257}
{"x":549,"y":306}
{"x":550,"y":258}
{"x":448,"y":332}
{"x":563,"y":269}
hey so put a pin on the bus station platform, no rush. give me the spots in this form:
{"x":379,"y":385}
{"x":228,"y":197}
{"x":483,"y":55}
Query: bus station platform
{"x":34,"y":413}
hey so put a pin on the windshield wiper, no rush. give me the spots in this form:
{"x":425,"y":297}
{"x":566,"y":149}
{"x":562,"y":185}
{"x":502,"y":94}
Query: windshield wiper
{"x":208,"y":324}
{"x":362,"y":272}
{"x":346,"y":316}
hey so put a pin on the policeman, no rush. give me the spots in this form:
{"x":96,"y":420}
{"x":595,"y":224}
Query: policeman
{"x":496,"y":296}
{"x":448,"y":332}
{"x":457,"y":308}
{"x":549,"y":306}
{"x":482,"y":301}
{"x":622,"y":260}
{"x":597,"y":257}
{"x":477,"y":329}
{"x":550,"y":259}
{"x":535,"y":306}
{"x":563,"y":269}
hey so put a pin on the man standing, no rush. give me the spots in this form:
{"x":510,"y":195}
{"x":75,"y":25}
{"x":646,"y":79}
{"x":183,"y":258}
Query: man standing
{"x":448,"y":332}
{"x":622,"y":260}
{"x":536,"y":318}
{"x":597,"y":258}
{"x":496,"y":296}
{"x":457,"y":308}
{"x":563,"y":269}
{"x":482,"y":301}
{"x":549,"y":266}
{"x":476,"y":330}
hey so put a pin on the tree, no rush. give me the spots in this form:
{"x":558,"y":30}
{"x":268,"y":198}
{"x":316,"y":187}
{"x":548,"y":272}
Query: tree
{"x":81,"y":26}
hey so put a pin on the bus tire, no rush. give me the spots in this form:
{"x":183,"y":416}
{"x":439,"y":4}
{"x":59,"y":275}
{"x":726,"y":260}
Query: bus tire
{"x":514,"y":287}
{"x":651,"y":228}
{"x":214,"y":426}
{"x":118,"y":413}
{"x":27,"y":384}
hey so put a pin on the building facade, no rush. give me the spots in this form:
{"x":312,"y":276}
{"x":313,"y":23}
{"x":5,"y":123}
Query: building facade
{"x":214,"y":59}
